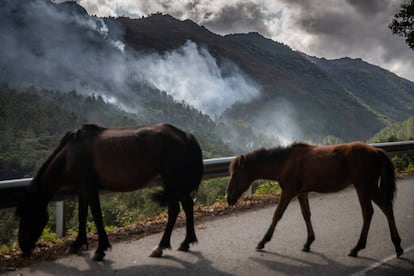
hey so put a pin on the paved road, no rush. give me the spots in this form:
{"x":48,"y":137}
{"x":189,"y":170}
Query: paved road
{"x":227,"y":244}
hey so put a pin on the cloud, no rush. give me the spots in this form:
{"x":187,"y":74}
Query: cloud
{"x":325,"y":28}
{"x":355,"y":29}
{"x":369,"y":7}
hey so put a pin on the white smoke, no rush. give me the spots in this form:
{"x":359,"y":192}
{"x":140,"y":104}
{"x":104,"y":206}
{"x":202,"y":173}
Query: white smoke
{"x":192,"y":75}
{"x":277,"y":122}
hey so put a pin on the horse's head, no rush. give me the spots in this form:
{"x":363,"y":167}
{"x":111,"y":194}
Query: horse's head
{"x":240,"y":179}
{"x":33,"y":218}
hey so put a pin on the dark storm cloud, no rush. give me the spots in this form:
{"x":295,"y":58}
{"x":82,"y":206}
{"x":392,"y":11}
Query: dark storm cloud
{"x":240,"y":18}
{"x":353,"y":28}
{"x":368,"y":7}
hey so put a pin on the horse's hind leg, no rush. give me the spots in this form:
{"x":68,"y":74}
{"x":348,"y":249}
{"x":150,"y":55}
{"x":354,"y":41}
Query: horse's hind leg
{"x":285,"y":198}
{"x":190,"y":236}
{"x":367,"y":212}
{"x":173,"y":210}
{"x":386,"y":208}
{"x":81,"y":239}
{"x":304,"y":206}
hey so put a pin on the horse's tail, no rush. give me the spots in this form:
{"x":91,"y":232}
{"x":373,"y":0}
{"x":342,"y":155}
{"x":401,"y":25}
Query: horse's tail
{"x":196,"y":161}
{"x":387,"y":183}
{"x":192,"y":178}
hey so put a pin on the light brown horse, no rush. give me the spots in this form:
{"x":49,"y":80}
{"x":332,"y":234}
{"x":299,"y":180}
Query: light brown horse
{"x":94,"y":158}
{"x":302,"y":168}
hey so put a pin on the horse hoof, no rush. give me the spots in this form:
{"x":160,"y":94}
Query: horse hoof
{"x":353,"y":254}
{"x":184,"y":248}
{"x":399,"y":252}
{"x":306,"y":249}
{"x":98,"y":257}
{"x":156,"y":252}
{"x":259,"y":247}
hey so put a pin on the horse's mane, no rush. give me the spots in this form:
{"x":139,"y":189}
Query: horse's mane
{"x":265,"y":156}
{"x":35,"y":187}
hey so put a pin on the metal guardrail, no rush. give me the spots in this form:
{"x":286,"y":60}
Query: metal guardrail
{"x":396,"y":147}
{"x":12,"y":191}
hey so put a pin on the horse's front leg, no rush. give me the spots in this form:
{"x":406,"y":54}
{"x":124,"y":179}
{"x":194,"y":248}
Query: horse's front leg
{"x":103,"y":242}
{"x":306,"y":213}
{"x":173,"y":210}
{"x":285,"y":198}
{"x":190,"y":237}
{"x":81,"y":239}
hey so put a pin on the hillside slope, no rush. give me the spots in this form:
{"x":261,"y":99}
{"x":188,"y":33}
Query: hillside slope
{"x":385,"y":92}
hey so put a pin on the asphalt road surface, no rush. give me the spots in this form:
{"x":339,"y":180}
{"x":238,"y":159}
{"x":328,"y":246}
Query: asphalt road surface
{"x":227,"y":244}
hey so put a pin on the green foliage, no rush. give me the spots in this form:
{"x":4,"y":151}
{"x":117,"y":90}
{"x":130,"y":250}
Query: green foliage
{"x":32,"y":122}
{"x":400,"y":131}
{"x":403,"y":23}
{"x":8,"y":228}
{"x":211,"y":190}
{"x":332,"y":140}
{"x":48,"y":235}
{"x":403,"y":162}
{"x":263,"y":187}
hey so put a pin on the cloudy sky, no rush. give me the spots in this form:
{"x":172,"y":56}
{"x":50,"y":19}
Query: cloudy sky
{"x":324,"y":28}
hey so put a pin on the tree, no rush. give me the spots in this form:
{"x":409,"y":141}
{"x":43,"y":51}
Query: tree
{"x":403,"y":23}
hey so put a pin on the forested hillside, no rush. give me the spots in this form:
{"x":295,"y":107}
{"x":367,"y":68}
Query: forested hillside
{"x":32,"y":122}
{"x":400,"y":131}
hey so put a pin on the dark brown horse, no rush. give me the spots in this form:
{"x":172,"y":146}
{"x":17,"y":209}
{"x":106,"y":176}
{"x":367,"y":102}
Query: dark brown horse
{"x":94,"y":158}
{"x":302,"y":168}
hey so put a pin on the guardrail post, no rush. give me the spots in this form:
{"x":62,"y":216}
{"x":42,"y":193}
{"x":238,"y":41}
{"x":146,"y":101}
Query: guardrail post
{"x":249,"y":191}
{"x":60,"y":219}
